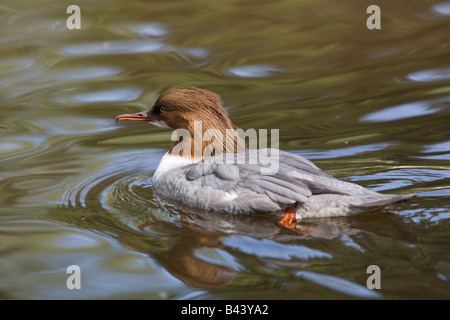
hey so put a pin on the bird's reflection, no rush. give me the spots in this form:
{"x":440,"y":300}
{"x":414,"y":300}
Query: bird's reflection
{"x":175,"y":244}
{"x":200,"y":229}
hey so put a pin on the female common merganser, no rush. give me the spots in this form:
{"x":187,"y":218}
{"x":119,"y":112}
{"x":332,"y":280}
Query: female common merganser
{"x":229,"y":181}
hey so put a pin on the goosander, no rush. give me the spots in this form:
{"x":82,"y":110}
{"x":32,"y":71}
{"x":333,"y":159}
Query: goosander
{"x":231,"y":181}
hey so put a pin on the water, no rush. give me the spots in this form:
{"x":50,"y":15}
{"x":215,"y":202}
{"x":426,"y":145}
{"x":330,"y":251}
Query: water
{"x":369,"y":106}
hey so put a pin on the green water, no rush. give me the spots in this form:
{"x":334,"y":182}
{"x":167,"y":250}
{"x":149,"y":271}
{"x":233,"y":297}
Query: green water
{"x":368,"y":106}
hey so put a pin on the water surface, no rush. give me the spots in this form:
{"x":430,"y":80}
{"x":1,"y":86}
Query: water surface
{"x":368,"y":106}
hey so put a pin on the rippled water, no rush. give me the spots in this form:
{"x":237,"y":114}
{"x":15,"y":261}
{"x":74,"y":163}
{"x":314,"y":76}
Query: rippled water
{"x":369,"y":106}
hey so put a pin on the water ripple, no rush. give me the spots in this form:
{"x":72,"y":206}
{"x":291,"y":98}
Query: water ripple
{"x":113,"y":47}
{"x":131,"y":46}
{"x":254,"y":71}
{"x":407,"y":110}
{"x":9,"y":65}
{"x":401,"y":178}
{"x":151,"y":29}
{"x":119,"y":173}
{"x":431,"y":75}
{"x":19,"y":146}
{"x":438,"y":151}
{"x":270,"y":249}
{"x":343,"y":152}
{"x":110,"y":95}
{"x":338,"y":284}
{"x":442,"y":8}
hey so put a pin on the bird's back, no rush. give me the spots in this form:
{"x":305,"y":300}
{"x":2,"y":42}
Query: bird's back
{"x":244,"y":183}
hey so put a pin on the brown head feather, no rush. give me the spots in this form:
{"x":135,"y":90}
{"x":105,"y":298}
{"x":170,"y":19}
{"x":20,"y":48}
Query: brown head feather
{"x":179,"y":108}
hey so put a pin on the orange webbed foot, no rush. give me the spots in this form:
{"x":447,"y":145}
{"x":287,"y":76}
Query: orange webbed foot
{"x":289,"y":221}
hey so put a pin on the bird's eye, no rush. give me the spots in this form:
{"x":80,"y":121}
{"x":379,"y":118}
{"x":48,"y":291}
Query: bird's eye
{"x":161,"y":108}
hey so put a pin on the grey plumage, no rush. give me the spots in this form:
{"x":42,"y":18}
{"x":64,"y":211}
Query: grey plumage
{"x":235,"y":183}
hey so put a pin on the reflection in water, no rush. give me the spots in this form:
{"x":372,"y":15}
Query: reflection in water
{"x":442,"y":8}
{"x":338,"y":284}
{"x":260,"y":71}
{"x":205,"y":248}
{"x":113,"y":47}
{"x":182,"y":261}
{"x":151,"y":29}
{"x":399,"y":112}
{"x":430,"y":75}
{"x":121,"y":94}
{"x":368,"y":106}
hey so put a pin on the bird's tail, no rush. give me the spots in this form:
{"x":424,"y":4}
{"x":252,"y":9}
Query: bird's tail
{"x":380,"y":204}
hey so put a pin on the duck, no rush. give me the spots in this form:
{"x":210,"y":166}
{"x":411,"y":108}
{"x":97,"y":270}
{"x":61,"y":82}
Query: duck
{"x":210,"y":168}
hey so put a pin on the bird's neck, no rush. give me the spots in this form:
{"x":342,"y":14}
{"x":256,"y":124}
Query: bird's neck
{"x":200,"y":140}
